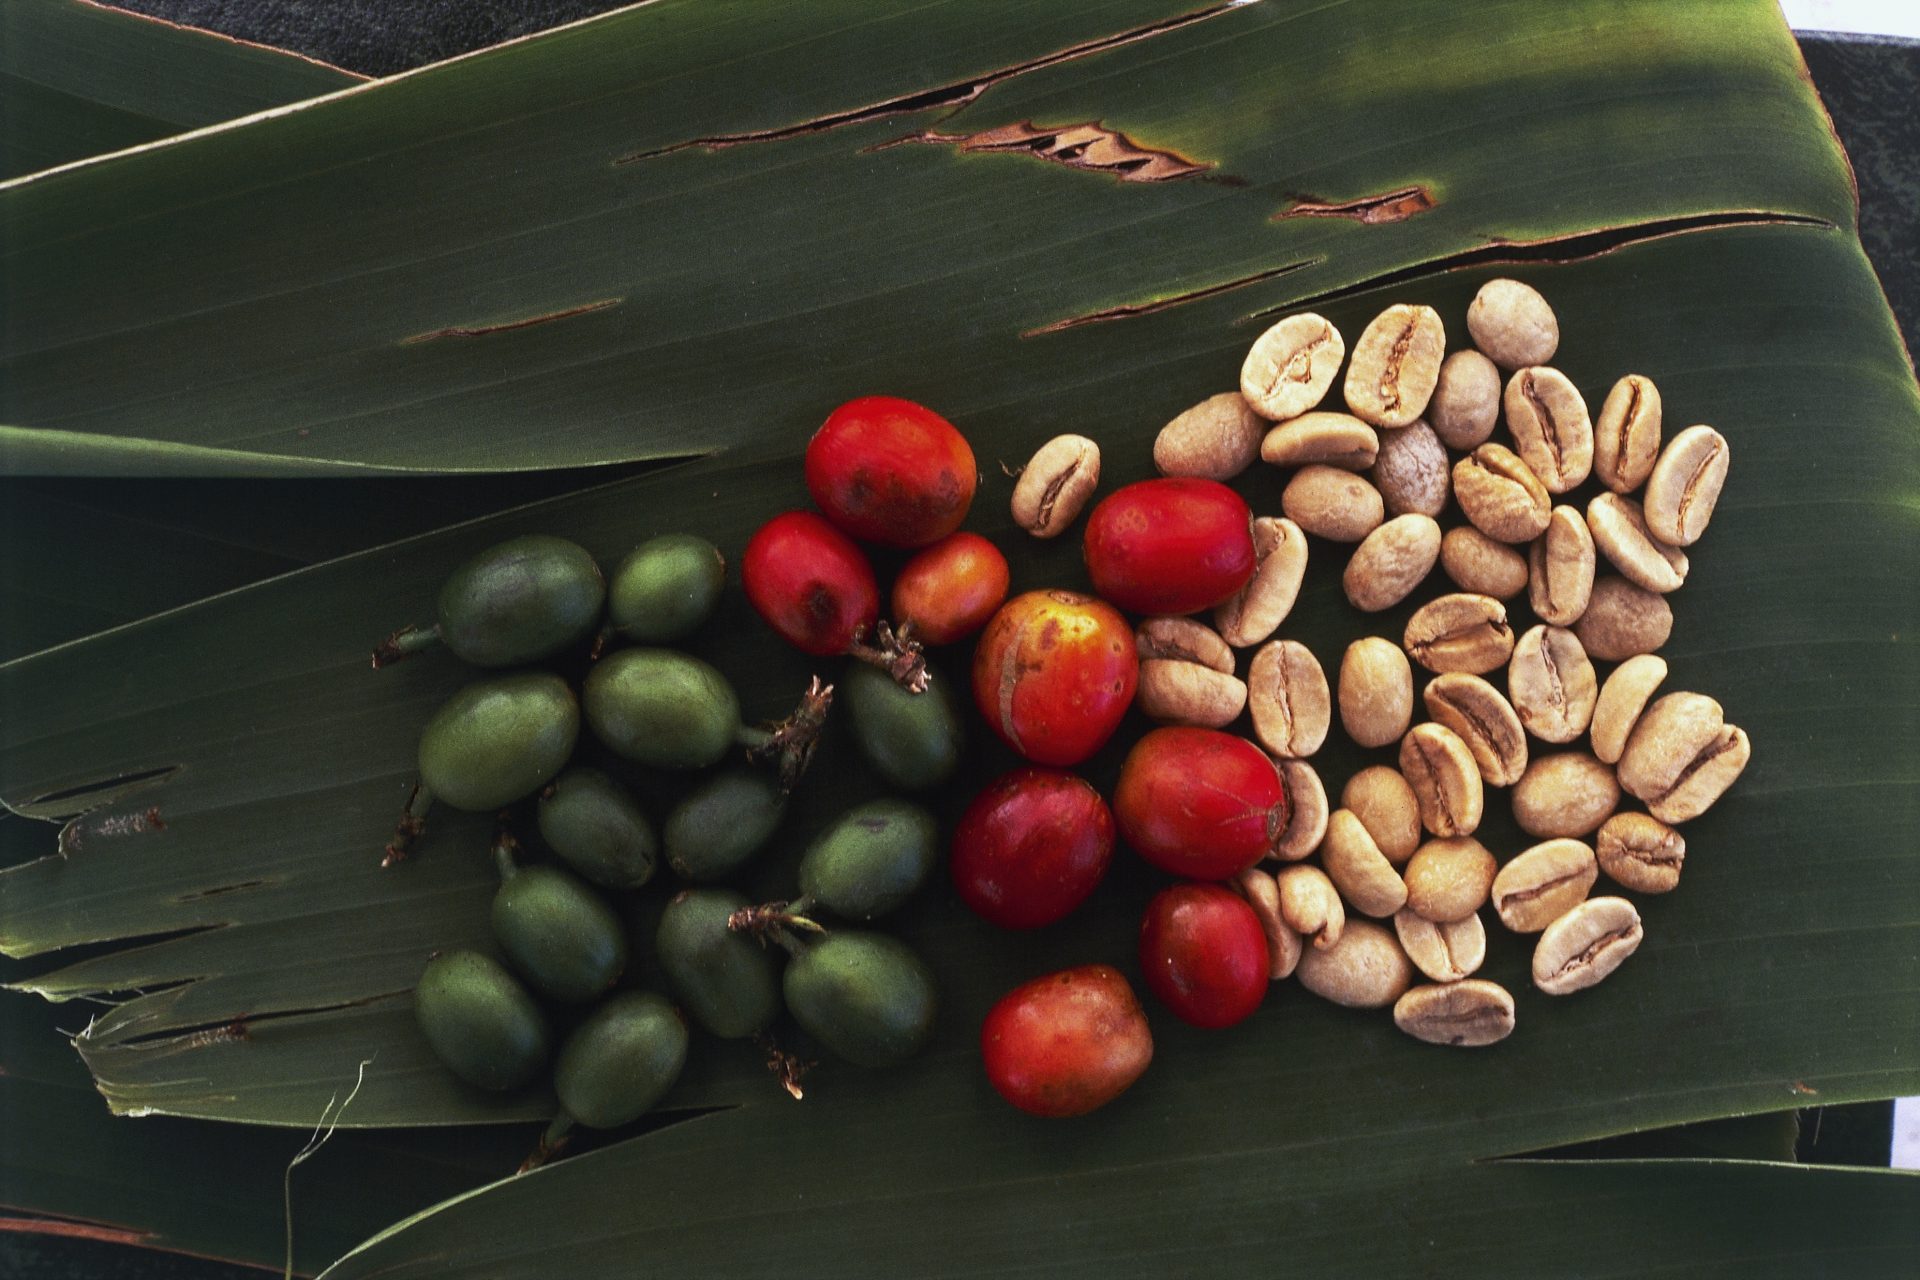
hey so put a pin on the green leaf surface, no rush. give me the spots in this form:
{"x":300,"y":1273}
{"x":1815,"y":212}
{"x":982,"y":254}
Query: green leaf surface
{"x":79,"y":79}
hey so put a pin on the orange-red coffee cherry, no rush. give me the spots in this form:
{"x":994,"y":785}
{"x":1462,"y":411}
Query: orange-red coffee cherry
{"x":947,"y":592}
{"x":1204,"y":954}
{"x":1031,"y":847}
{"x":891,"y":471}
{"x":1200,"y":803}
{"x":1170,"y":546}
{"x":1067,"y":1043}
{"x":1053,"y":674}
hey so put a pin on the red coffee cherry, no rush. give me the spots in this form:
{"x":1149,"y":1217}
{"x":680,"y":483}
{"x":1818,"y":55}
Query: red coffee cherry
{"x":1200,"y":803}
{"x":1031,"y":847}
{"x":891,"y":471}
{"x":1170,"y":546}
{"x":1204,"y":954}
{"x":816,"y":588}
{"x":1054,"y":673}
{"x":948,"y":591}
{"x":1067,"y":1043}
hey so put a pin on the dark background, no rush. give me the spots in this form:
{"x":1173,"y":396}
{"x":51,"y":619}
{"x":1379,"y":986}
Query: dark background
{"x":1870,"y":87}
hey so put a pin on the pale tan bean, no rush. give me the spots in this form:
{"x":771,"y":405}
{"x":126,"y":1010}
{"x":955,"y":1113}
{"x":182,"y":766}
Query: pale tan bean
{"x":1055,"y":485}
{"x":1216,"y":439}
{"x":1478,"y":564}
{"x":1445,"y":780}
{"x":1444,"y":952}
{"x":1459,"y":632}
{"x":1291,"y":366}
{"x":1391,"y":562}
{"x":1173,"y":691}
{"x":1513,"y":324}
{"x":1306,"y":811}
{"x":1395,"y":365}
{"x":1466,"y":400}
{"x":1288,"y":695}
{"x":1568,"y":794}
{"x":1682,"y":756}
{"x":1358,"y":869}
{"x":1626,"y":437}
{"x":1620,"y":531}
{"x":1585,"y":945}
{"x":1552,"y":684}
{"x":1334,"y":504}
{"x":1622,"y":698}
{"x":1411,"y":471}
{"x":1717,"y":767}
{"x":1258,"y":609}
{"x":1469,"y":1014}
{"x":1551,"y":429}
{"x":1376,"y":692}
{"x":1366,"y":969}
{"x":1623,"y":620}
{"x":1485,"y":721}
{"x":1334,"y":439}
{"x":1685,"y":485}
{"x":1184,"y":640}
{"x":1310,"y":904}
{"x":1448,"y":879}
{"x":1500,"y":495}
{"x":1283,"y":944}
{"x":1641,"y":852}
{"x":1387,"y":808}
{"x":1544,"y":883}
{"x":1560,"y":565}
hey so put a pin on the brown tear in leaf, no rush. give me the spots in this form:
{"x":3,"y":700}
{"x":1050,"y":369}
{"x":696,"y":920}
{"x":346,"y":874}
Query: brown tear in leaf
{"x":481,"y":331}
{"x":1389,"y":206}
{"x":1128,"y":310}
{"x":1078,"y":146}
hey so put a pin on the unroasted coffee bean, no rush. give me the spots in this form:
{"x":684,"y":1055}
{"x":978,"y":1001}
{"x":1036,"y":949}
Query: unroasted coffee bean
{"x":1376,"y":692}
{"x":1310,"y":905}
{"x":1569,"y":794}
{"x":1306,"y":811}
{"x":1174,"y":691}
{"x":1685,"y":484}
{"x":1283,"y":944}
{"x":1466,"y":400}
{"x":1620,"y":532}
{"x":1291,"y":366}
{"x":1682,"y":756}
{"x":1444,"y":952}
{"x":1552,"y":684}
{"x":1623,"y":620}
{"x":1459,"y":632}
{"x":1641,"y":852}
{"x":1391,"y":561}
{"x":1395,"y":365}
{"x":1560,"y":567}
{"x":1366,"y":969}
{"x":1448,"y":879}
{"x":1444,"y":778}
{"x":1335,"y":439}
{"x":1358,"y":869}
{"x":1626,"y":436}
{"x":1468,"y":1015}
{"x":1184,"y":640}
{"x":1287,"y":692}
{"x":1513,"y":324}
{"x":1622,"y":698}
{"x":1216,"y":439}
{"x":1411,"y":471}
{"x":1485,"y":721}
{"x":1334,"y":504}
{"x":1551,"y":431}
{"x":1258,"y":609}
{"x":1386,"y":807}
{"x":1055,"y":485}
{"x":1500,"y":495}
{"x":1585,"y":945}
{"x":1478,"y":564}
{"x":1543,"y":884}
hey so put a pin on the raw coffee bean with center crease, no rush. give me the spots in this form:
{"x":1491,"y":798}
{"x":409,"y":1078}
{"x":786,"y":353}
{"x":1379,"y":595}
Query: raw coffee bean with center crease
{"x":1513,"y":324}
{"x":1387,"y":808}
{"x":1685,"y":485}
{"x":1056,"y":485}
{"x":1333,"y":439}
{"x":1466,"y":400}
{"x":1444,"y":952}
{"x":718,"y":827}
{"x":1544,"y":883}
{"x":1467,"y":1014}
{"x":597,"y":828}
{"x":1585,"y":945}
{"x":1376,"y":692}
{"x":1333,"y":504}
{"x":912,"y":740}
{"x":1568,"y":794}
{"x":1283,"y":944}
{"x":871,"y":859}
{"x":1500,"y":495}
{"x":1307,"y":816}
{"x":866,"y":996}
{"x":1448,"y":879}
{"x":621,"y":1060}
{"x":1288,"y":695}
{"x":1366,"y":969}
{"x":1479,"y":565}
{"x":665,"y":588}
{"x":1551,"y":429}
{"x":1391,"y":561}
{"x":1641,"y":852}
{"x":1622,"y":698}
{"x":1310,"y":905}
{"x":1623,"y":621}
{"x":1626,"y":436}
{"x":1682,"y":756}
{"x":1291,"y":366}
{"x":481,"y":1023}
{"x":728,"y":981}
{"x":1560,"y":567}
{"x":1411,"y":472}
{"x":1459,"y":632}
{"x":1485,"y":721}
{"x":1216,"y":439}
{"x":1358,"y":869}
{"x":1182,"y":640}
{"x":1444,"y":778}
{"x":1395,"y":365}
{"x":1280,"y":555}
{"x":1175,"y":692}
{"x":1620,"y":531}
{"x":1552,"y":683}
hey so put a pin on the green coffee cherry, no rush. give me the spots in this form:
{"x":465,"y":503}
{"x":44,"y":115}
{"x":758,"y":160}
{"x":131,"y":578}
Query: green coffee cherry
{"x":727,"y":981}
{"x":871,"y":860}
{"x":665,"y":588}
{"x":480,"y":1021}
{"x":522,"y":600}
{"x":912,"y":740}
{"x":722,"y":823}
{"x":498,"y":740}
{"x":662,"y":708}
{"x":865,"y":996}
{"x":596,"y":827}
{"x":562,"y":936}
{"x":621,"y":1060}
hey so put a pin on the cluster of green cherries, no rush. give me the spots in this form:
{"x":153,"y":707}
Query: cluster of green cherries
{"x":863,"y":995}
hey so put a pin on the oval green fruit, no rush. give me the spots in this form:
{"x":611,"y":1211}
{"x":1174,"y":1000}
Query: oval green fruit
{"x":498,"y":740}
{"x":871,"y":859}
{"x":524,"y":599}
{"x":621,"y":1060}
{"x":865,"y":996}
{"x":596,"y":827}
{"x":662,"y":708}
{"x":480,"y":1021}
{"x":722,"y":823}
{"x":666,"y":587}
{"x":559,"y":934}
{"x":912,"y":740}
{"x":727,"y":981}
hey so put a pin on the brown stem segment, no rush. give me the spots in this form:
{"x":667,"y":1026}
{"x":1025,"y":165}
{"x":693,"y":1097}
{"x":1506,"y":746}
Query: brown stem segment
{"x":790,"y":743}
{"x":412,"y":825}
{"x":789,"y":1069}
{"x":552,"y":1142}
{"x":897,"y":653}
{"x":774,"y":920}
{"x":403,"y":644}
{"x":506,"y":849}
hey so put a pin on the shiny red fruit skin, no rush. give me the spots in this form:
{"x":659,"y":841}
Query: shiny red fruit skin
{"x":1177,"y":545}
{"x":891,"y":471}
{"x":1200,"y":803}
{"x":810,"y":582}
{"x":1067,"y":1043}
{"x":947,"y":592}
{"x":1204,"y":954}
{"x":1053,"y":674}
{"x":1031,"y":847}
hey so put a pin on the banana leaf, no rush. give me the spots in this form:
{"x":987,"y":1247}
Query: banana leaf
{"x":264,"y":955}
